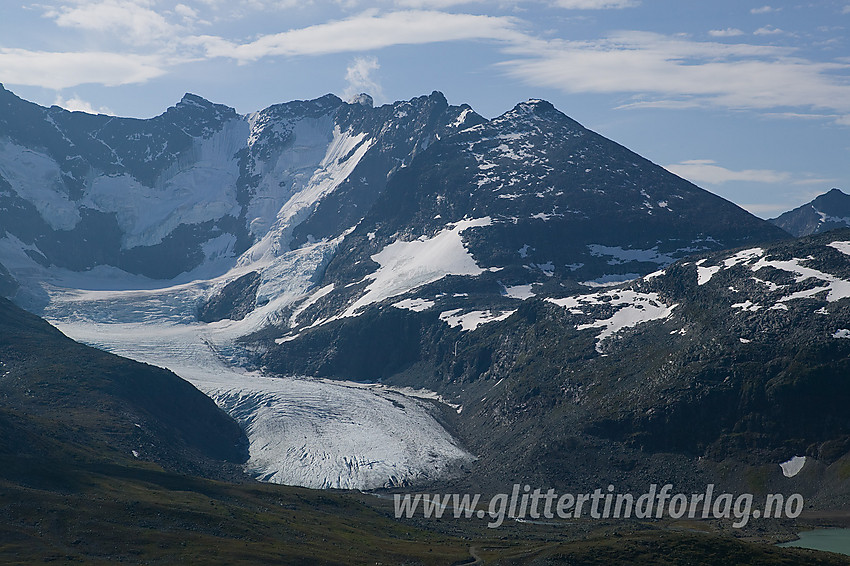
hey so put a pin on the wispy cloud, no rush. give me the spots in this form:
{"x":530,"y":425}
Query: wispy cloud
{"x":366,"y":33}
{"x":596,"y":4}
{"x":708,"y":171}
{"x":135,"y":21}
{"x":58,"y":71}
{"x":768,"y":30}
{"x":728,"y":32}
{"x":764,"y":10}
{"x":359,"y":78}
{"x":677,"y":72}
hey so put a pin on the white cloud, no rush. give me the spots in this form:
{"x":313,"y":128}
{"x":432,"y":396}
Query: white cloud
{"x":76,"y":104}
{"x":596,"y":4}
{"x":359,"y":78}
{"x":366,"y":32}
{"x":58,"y":71}
{"x":768,"y":30}
{"x":707,"y":171}
{"x":764,"y":10}
{"x":188,"y":13}
{"x":728,"y":32}
{"x":677,"y":72}
{"x":432,"y":4}
{"x":846,"y":9}
{"x":133,"y":21}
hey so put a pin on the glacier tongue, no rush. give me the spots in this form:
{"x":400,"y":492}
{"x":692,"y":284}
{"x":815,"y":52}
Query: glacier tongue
{"x":307,"y":432}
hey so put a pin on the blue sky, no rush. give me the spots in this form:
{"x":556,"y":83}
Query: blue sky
{"x":750,"y":100}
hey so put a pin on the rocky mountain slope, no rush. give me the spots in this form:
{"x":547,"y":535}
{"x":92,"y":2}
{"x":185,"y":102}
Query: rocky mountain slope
{"x":100,"y":409}
{"x":718,"y":368}
{"x":331,"y":239}
{"x":828,"y":211}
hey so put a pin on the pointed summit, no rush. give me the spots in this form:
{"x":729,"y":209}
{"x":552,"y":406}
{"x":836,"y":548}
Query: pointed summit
{"x":828,"y":211}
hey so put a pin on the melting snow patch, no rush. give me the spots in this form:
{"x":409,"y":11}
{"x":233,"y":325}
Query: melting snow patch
{"x":474,"y":319}
{"x":743,"y":256}
{"x":415,"y":305}
{"x":836,"y":287}
{"x":843,"y":333}
{"x":704,"y":274}
{"x":634,"y":308}
{"x":611,"y":280}
{"x":521,"y":292}
{"x":843,"y":247}
{"x":547,"y":268}
{"x":793,"y":466}
{"x":747,"y":306}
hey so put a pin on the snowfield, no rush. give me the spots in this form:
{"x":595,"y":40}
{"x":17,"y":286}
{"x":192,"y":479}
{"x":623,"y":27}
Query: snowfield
{"x":404,"y":266}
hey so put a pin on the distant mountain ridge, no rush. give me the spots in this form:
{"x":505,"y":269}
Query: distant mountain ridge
{"x":828,"y":211}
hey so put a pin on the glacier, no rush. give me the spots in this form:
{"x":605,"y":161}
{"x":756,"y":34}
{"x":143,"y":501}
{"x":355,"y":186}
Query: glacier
{"x":302,"y":431}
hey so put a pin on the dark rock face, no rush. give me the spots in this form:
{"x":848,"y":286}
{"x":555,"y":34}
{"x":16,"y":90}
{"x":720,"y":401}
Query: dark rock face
{"x":828,"y":211}
{"x":234,"y":301}
{"x":8,"y":285}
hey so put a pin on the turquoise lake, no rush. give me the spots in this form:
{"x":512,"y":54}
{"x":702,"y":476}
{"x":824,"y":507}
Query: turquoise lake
{"x":832,"y":540}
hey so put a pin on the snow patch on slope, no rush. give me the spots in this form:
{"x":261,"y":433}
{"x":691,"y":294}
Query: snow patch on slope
{"x":472,"y":320}
{"x":521,"y":292}
{"x":415,"y":305}
{"x":405,"y":266}
{"x":843,"y":247}
{"x":620,"y":255}
{"x":632,"y":308}
{"x":793,"y":466}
